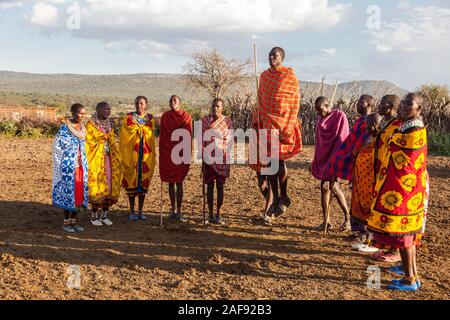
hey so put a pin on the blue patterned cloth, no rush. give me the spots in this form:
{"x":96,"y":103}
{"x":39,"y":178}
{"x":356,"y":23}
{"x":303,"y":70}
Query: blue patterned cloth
{"x":65,"y":159}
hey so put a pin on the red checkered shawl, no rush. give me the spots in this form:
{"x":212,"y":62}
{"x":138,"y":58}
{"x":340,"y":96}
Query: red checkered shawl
{"x":222,"y":137}
{"x":171,"y":121}
{"x":278,"y":107}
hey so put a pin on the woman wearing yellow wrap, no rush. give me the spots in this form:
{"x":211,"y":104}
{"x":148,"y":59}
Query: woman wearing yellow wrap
{"x":400,"y":194}
{"x":137,"y":149}
{"x":105,"y":169}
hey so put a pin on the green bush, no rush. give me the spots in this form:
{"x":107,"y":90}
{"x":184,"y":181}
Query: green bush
{"x":30,"y":128}
{"x":8,"y":128}
{"x":439,"y":143}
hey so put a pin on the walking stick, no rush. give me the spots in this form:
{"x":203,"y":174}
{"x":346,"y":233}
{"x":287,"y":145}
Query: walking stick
{"x":161,"y":204}
{"x":203,"y":192}
{"x":327,"y":214}
{"x":255,"y":65}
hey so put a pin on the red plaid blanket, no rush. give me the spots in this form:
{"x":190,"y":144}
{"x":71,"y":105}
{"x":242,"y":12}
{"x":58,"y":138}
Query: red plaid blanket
{"x":221,"y":139}
{"x":279,"y":104}
{"x":171,"y":121}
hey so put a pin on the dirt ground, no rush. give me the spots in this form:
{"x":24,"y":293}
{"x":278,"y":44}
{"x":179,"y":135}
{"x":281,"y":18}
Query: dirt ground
{"x":242,"y":260}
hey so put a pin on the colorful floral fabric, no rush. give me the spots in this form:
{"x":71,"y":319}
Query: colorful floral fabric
{"x":400,"y":191}
{"x":105,"y":168}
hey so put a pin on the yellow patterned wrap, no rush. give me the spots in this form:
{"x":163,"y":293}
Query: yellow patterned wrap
{"x":131,"y":133}
{"x":99,"y":189}
{"x":398,"y":206}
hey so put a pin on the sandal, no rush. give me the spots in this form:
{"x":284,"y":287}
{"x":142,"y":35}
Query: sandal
{"x":69,"y":228}
{"x":172,"y":215}
{"x":367,"y":249}
{"x":219,"y":221}
{"x":345,"y":227}
{"x":322,"y":227}
{"x":282,"y":206}
{"x":271,"y":210}
{"x":142,"y":217}
{"x":268,"y":219}
{"x":76,"y":226}
{"x":387,"y":257}
{"x":403,"y":285}
{"x":181,"y":218}
{"x":391,"y":257}
{"x":96,"y":222}
{"x":418,"y":283}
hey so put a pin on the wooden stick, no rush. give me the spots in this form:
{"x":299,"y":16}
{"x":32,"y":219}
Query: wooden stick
{"x":321,"y":86}
{"x":334,"y":93}
{"x":305,"y":91}
{"x":255,"y":62}
{"x":161,"y":205}
{"x":203,"y":192}
{"x":351,"y":88}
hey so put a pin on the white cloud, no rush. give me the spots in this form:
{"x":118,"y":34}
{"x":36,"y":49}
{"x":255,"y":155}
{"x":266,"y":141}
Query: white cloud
{"x":44,"y":15}
{"x":222,"y":16}
{"x":169,"y":26}
{"x":413,"y":49}
{"x":330,"y":51}
{"x":422,"y":28}
{"x":6,"y":5}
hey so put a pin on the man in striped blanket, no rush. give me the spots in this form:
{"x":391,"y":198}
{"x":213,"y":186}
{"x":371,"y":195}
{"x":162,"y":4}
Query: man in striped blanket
{"x":278,"y":107}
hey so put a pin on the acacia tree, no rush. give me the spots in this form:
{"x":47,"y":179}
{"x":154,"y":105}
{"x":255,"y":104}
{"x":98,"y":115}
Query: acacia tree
{"x":211,"y":71}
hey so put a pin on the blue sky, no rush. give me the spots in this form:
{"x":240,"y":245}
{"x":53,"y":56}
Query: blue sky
{"x":407,"y":45}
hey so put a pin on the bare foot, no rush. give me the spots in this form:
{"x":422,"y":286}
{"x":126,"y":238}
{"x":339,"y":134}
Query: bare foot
{"x":322,"y":227}
{"x":345,"y":226}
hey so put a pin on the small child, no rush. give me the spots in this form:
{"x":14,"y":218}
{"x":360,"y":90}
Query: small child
{"x":215,"y":172}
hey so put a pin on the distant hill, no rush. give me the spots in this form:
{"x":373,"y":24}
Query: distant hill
{"x":18,"y":88}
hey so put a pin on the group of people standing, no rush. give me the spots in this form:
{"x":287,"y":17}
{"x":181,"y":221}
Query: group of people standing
{"x":90,"y":165}
{"x":383,"y":156}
